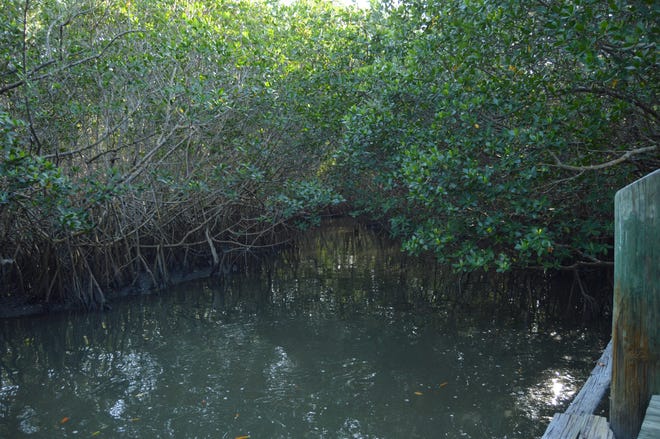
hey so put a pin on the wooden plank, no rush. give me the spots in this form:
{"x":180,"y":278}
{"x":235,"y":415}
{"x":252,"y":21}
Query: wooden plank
{"x":578,"y":419}
{"x":587,"y":400}
{"x":651,"y":425}
{"x":636,"y":309}
{"x":571,"y":426}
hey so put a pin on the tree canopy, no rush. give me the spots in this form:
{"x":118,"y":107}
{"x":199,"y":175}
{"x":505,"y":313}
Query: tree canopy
{"x":141,"y":136}
{"x":495,"y":133}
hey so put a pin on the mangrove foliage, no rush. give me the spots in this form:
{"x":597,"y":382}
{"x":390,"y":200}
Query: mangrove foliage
{"x":145,"y":139}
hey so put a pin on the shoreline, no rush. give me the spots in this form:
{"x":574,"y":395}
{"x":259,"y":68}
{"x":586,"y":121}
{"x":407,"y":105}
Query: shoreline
{"x":17,"y":306}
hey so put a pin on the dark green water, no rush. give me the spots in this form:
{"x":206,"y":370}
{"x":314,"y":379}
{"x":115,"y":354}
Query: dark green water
{"x":342,"y":338}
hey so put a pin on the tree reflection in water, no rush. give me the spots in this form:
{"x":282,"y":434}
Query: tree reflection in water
{"x":340,"y":336}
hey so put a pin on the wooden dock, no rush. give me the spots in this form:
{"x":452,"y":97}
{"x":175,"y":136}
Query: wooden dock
{"x":579,"y":421}
{"x":630,"y":364}
{"x":566,"y":426}
{"x":587,"y":400}
{"x":651,"y":424}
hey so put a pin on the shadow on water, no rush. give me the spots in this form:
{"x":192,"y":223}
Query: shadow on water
{"x":339,"y":337}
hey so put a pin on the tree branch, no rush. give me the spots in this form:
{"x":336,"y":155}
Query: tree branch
{"x":614,"y":94}
{"x":20,"y":82}
{"x":627,"y":155}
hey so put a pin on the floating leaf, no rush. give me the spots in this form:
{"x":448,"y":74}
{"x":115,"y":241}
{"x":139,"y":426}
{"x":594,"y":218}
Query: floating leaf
{"x":96,"y":433}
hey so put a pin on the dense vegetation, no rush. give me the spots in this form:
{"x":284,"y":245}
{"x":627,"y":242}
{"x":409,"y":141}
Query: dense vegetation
{"x":144,"y":137}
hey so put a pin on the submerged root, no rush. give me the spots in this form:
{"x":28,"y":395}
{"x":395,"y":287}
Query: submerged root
{"x":122,"y":251}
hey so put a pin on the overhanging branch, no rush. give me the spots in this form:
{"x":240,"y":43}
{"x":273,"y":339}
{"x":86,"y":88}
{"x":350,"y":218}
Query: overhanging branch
{"x":31,"y":76}
{"x":626,"y":156}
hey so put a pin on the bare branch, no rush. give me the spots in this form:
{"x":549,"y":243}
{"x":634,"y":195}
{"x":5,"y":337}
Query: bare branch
{"x":18,"y":83}
{"x":107,"y":134}
{"x":29,"y":75}
{"x":91,"y":57}
{"x":626,"y":156}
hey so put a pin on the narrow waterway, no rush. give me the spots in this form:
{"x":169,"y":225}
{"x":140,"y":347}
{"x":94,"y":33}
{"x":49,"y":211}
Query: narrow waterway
{"x":342,"y":337}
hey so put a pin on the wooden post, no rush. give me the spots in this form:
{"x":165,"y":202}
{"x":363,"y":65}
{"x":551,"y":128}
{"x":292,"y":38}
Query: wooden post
{"x":636,"y":311}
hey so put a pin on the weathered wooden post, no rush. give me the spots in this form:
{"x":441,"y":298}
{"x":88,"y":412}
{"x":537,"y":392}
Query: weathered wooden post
{"x":636,"y":312}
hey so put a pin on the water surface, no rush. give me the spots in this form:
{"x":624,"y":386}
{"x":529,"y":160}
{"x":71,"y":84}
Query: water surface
{"x":340,"y":338}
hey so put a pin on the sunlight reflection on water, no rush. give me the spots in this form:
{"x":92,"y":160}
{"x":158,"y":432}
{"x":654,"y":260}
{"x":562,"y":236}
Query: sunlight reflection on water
{"x":555,"y":390}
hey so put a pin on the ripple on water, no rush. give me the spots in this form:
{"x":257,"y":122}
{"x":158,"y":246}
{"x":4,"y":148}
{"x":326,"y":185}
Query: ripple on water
{"x":336,"y":353}
{"x":28,"y":421}
{"x":118,"y":408}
